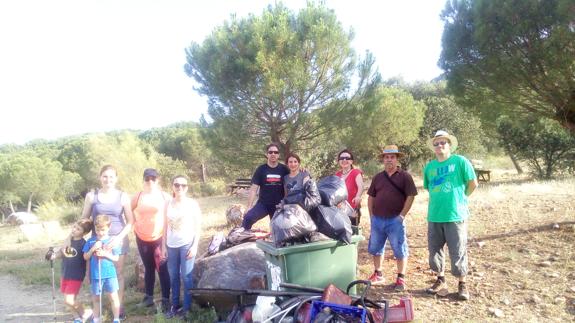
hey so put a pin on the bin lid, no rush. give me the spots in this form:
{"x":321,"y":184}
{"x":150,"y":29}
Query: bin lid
{"x":269,"y":247}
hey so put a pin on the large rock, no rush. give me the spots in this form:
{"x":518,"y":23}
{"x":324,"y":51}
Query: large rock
{"x":19,"y":218}
{"x":239,"y":267}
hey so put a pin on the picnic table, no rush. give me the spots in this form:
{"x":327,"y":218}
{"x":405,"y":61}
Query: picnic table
{"x":240,"y":183}
{"x":482,"y":174}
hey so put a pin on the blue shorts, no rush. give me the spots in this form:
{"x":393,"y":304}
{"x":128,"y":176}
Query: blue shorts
{"x":109,"y":285}
{"x":392,"y":229}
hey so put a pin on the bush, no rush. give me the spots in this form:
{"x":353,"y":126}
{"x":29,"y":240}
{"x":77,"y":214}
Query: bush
{"x":64,"y":212}
{"x":212,"y":187}
{"x":546,"y":146}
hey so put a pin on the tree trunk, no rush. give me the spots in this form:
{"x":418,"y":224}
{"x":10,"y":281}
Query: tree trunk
{"x":29,"y":209}
{"x":11,"y":206}
{"x":515,"y":162}
{"x":204,"y":176}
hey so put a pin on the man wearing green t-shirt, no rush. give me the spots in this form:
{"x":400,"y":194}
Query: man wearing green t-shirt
{"x":450,"y":179}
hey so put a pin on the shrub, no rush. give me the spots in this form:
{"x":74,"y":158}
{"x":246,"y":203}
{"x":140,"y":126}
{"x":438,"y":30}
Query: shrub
{"x":212,"y":187}
{"x":64,"y":212}
{"x":542,"y":143}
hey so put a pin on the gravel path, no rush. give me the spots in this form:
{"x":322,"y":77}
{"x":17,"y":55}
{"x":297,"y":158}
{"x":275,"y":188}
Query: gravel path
{"x":20,"y":303}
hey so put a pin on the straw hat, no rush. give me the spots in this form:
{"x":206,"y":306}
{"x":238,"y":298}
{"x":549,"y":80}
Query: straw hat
{"x":445,"y":135}
{"x":391,"y":149}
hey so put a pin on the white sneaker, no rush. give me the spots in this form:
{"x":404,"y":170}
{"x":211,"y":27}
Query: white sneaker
{"x":87,"y":315}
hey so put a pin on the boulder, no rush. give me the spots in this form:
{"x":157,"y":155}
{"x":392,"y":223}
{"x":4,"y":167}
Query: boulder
{"x":19,"y":218}
{"x":239,"y":267}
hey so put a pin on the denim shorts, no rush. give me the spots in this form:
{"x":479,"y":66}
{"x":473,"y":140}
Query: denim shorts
{"x":109,"y":285}
{"x":392,"y":229}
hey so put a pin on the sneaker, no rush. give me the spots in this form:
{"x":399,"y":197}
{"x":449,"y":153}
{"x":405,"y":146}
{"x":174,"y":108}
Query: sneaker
{"x":462,"y":292}
{"x":122,"y":314}
{"x":165,"y":305}
{"x":173,"y":312}
{"x":399,"y":285}
{"x":436,"y":287}
{"x":116,"y":321}
{"x":147,"y":301}
{"x":88,"y":315}
{"x":376,"y":279}
{"x":78,"y":320}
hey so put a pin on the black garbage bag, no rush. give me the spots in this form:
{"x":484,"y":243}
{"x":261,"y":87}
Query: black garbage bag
{"x":346,"y":210}
{"x":312,"y":196}
{"x":332,"y":190}
{"x":331,"y":222}
{"x":308,"y":198}
{"x":291,"y":222}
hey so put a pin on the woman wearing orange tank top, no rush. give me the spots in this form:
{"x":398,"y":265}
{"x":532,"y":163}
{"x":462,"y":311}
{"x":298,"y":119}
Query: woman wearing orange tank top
{"x":149,"y":208}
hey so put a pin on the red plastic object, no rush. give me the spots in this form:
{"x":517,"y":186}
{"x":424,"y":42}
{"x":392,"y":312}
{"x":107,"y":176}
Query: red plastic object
{"x":332,"y":294}
{"x":403,"y":312}
{"x":304,"y":314}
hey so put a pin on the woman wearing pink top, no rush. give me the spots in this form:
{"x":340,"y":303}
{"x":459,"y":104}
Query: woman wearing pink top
{"x":149,"y":208}
{"x":353,"y":181}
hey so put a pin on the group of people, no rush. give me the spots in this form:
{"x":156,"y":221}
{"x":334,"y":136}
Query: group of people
{"x":167,"y":226}
{"x":274,"y":180}
{"x":167,"y":230}
{"x":449,"y":179}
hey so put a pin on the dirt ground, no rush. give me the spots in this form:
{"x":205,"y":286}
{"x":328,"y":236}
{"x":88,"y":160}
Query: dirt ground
{"x":21,"y":303}
{"x":521,"y":252}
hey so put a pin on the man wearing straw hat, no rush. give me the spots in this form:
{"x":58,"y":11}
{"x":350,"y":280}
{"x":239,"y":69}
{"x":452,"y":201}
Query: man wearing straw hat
{"x":450,"y":179}
{"x":390,"y":197}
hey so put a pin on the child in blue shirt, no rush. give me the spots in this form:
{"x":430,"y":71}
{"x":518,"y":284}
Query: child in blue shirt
{"x":74,"y":268}
{"x":102,"y":270}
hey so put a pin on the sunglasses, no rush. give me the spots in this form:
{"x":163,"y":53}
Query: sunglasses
{"x":178,"y":185}
{"x":149,"y":178}
{"x":435,"y":144}
{"x":273,"y":152}
{"x":345,"y":158}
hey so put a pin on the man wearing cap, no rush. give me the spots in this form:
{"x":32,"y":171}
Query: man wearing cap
{"x":390,"y":197}
{"x":268,"y":179}
{"x":450,"y":179}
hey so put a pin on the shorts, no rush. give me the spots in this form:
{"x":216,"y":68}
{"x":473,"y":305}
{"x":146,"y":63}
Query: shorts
{"x":392,"y":229}
{"x":109,"y":285}
{"x":70,"y":286}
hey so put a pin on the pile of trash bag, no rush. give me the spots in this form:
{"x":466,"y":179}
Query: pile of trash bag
{"x":320,"y":207}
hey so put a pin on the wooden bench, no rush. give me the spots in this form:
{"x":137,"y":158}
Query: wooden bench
{"x":483,"y":175}
{"x":239,"y":184}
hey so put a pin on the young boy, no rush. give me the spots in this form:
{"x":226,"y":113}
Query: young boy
{"x":102,"y":269}
{"x":74,"y":269}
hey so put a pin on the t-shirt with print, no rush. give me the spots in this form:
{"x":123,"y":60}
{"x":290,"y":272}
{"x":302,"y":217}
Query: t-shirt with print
{"x":270,"y":181}
{"x":446,"y":182}
{"x":74,"y":268}
{"x":107,"y":268}
{"x":294,"y":184}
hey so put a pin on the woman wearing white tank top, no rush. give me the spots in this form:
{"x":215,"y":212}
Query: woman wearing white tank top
{"x":183,"y":234}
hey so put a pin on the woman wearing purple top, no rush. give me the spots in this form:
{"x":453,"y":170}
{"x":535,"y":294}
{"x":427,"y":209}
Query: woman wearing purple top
{"x":113,"y":202}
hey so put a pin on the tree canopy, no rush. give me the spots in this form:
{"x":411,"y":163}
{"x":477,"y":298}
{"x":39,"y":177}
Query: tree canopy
{"x":513,"y":55}
{"x":264,"y":75}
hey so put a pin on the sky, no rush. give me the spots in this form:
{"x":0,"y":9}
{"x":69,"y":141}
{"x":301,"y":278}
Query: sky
{"x":69,"y":67}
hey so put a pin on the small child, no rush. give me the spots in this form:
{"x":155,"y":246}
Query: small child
{"x":74,"y":269}
{"x":102,"y":270}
